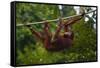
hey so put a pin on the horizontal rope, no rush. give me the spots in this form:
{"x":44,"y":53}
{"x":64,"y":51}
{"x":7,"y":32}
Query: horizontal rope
{"x":53,"y":19}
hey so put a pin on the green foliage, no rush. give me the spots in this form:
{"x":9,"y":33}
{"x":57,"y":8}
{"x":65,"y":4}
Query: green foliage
{"x":32,"y":51}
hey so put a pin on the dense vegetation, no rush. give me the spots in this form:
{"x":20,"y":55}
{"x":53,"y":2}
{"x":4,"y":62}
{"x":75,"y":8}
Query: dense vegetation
{"x":32,"y":51}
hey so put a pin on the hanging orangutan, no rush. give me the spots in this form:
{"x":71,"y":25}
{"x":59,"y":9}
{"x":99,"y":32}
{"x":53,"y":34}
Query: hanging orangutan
{"x":57,"y":41}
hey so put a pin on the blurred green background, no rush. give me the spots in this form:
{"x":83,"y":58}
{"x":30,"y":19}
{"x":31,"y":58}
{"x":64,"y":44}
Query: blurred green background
{"x":32,"y":51}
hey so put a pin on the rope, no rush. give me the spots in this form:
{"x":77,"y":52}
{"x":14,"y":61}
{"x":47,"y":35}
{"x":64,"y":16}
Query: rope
{"x":53,"y":19}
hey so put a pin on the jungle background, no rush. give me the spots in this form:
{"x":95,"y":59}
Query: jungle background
{"x":31,"y":51}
